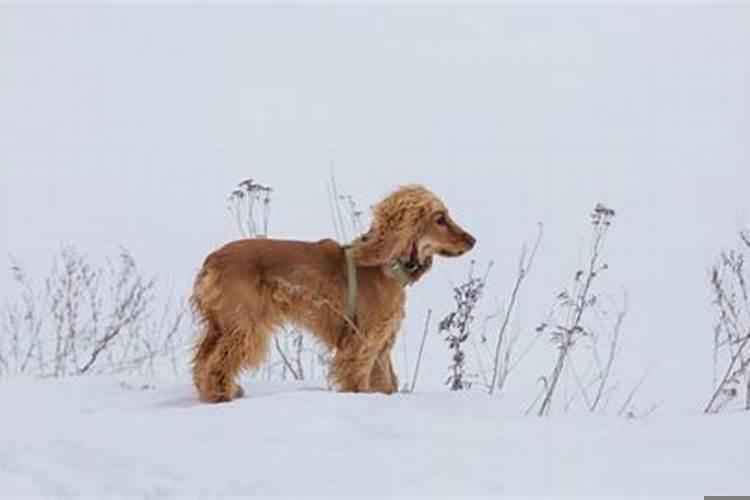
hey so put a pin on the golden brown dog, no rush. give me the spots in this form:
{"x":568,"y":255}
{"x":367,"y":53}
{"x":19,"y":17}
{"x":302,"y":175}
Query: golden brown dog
{"x":249,"y":288}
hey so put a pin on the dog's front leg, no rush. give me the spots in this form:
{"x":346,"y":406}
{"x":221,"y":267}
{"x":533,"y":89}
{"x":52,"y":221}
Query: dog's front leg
{"x":383,"y":378}
{"x":352,"y":365}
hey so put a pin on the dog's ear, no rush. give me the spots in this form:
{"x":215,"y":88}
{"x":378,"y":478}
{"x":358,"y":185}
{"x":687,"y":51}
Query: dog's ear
{"x":398,"y":221}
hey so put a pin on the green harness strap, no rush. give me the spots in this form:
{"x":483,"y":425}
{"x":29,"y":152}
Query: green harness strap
{"x":351,"y":298}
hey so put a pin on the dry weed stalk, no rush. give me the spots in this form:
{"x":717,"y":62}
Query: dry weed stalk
{"x":86,"y":319}
{"x":729,"y":284}
{"x":425,"y":331}
{"x":456,"y":325}
{"x":502,"y":362}
{"x":244,"y":200}
{"x":574,"y":304}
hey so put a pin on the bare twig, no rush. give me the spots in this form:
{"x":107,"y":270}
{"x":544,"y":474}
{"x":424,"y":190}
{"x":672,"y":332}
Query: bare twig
{"x":285,"y":359}
{"x":421,"y":350}
{"x":605,"y":372}
{"x":632,"y":394}
{"x":339,"y":218}
{"x":524,"y":266}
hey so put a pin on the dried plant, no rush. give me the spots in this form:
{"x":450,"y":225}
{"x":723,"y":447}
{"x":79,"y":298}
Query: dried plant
{"x":502,"y":362}
{"x":86,"y":319}
{"x":603,"y":364}
{"x":628,"y":408}
{"x":344,"y":207}
{"x":354,"y":213}
{"x":572,"y":305}
{"x":243,"y":202}
{"x":418,"y":363}
{"x":456,"y":325}
{"x":729,"y":284}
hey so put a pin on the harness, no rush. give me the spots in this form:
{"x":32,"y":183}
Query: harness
{"x":397,"y":267}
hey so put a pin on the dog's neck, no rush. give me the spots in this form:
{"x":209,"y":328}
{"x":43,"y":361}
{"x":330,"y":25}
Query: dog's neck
{"x":405,"y":269}
{"x":408,"y":272}
{"x":401,"y":272}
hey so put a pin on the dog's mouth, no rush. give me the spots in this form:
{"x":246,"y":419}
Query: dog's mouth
{"x":451,"y":253}
{"x":447,"y":253}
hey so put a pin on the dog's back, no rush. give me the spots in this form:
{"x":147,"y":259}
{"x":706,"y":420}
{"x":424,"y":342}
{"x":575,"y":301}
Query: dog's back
{"x":265,"y":257}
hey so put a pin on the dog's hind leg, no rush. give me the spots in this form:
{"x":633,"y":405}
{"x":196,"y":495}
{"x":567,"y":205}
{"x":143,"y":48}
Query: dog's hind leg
{"x":204,"y":349}
{"x":241,"y":345}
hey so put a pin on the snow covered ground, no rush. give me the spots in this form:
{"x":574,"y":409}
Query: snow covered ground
{"x":104,"y":436}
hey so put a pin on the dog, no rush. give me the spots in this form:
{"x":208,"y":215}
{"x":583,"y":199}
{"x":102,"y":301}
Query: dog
{"x":351,"y":298}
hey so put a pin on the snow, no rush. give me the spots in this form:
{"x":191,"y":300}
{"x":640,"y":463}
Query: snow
{"x":108,"y":436}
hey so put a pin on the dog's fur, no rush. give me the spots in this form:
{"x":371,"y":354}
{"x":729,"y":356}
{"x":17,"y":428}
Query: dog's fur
{"x":249,"y":288}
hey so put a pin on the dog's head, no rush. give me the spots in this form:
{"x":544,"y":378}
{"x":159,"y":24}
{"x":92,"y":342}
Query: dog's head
{"x":411,"y":226}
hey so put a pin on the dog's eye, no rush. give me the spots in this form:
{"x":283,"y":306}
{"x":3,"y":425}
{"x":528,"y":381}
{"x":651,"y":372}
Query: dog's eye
{"x":442,"y":221}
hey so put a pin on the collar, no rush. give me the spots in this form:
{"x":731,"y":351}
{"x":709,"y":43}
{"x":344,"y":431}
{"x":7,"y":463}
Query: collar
{"x":400,"y":272}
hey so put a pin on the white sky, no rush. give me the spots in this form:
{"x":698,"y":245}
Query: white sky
{"x":128,"y":125}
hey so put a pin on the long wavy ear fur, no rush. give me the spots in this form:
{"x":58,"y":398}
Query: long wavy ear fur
{"x":397,"y":223}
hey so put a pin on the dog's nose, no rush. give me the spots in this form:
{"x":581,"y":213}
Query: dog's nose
{"x":470,"y":240}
